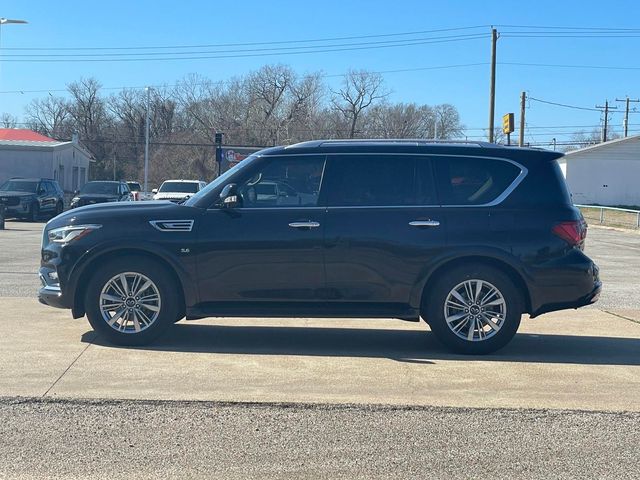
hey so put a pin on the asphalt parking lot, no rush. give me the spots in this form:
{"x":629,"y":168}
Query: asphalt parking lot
{"x":320,"y":398}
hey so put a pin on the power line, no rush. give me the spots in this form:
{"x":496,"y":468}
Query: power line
{"x":559,"y":27}
{"x":242,"y":50}
{"x":245,"y":55}
{"x":564,"y":105}
{"x":281,"y":42}
{"x":556,"y":65}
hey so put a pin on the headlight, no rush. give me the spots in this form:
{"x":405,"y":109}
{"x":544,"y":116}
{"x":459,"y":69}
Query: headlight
{"x":70,"y":233}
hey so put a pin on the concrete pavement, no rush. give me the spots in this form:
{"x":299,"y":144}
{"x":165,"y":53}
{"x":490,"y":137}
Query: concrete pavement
{"x":583,"y":359}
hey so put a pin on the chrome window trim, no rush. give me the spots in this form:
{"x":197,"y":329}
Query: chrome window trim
{"x":498,"y":200}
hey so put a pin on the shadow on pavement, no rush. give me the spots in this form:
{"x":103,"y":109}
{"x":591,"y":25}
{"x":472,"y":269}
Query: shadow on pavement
{"x":402,"y":345}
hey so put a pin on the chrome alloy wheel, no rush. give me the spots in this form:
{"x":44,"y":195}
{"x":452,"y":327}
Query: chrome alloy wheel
{"x":130,"y":302}
{"x":475,"y":310}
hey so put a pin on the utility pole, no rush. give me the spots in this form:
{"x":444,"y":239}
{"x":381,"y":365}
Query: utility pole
{"x":492,"y":92}
{"x":146,"y":143}
{"x":523,"y":103}
{"x":114,"y":164}
{"x":626,"y":113}
{"x":435,"y":124}
{"x":606,"y":118}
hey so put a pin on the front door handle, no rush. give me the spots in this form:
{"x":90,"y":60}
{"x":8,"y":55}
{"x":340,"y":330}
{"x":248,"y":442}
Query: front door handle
{"x":425,"y":223}
{"x":306,"y":224}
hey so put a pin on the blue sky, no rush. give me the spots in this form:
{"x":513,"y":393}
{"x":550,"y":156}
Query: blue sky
{"x":117,"y":23}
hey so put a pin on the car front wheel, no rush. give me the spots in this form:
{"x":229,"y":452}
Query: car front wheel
{"x":131,"y":301}
{"x":474,"y":309}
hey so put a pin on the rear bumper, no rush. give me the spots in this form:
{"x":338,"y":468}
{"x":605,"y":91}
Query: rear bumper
{"x":575,"y":285}
{"x":590,"y":298}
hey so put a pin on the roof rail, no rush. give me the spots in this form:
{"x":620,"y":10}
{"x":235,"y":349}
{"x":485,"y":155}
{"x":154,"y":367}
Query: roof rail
{"x":374,"y":141}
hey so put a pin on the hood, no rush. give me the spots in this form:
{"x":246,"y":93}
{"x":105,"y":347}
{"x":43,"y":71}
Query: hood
{"x":100,"y":196}
{"x":10,"y":194}
{"x":171,"y":195}
{"x":120,"y":213}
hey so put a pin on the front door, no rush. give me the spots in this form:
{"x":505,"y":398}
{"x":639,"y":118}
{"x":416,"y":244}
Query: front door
{"x":269,"y":248}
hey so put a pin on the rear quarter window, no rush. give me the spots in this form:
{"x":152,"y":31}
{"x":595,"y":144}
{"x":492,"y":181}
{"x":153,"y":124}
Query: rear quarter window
{"x":473,"y":181}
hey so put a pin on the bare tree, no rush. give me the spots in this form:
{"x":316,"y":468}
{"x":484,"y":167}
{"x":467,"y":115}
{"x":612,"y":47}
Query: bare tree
{"x":401,"y":120}
{"x":49,"y":116}
{"x":8,"y":121}
{"x":359,"y":91}
{"x":447,"y":120}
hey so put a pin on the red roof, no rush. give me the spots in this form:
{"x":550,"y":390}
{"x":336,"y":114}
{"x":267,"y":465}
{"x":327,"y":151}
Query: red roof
{"x":22,"y":134}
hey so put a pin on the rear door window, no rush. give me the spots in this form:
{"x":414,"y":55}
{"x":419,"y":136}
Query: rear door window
{"x":370,"y":180}
{"x":473,"y":181}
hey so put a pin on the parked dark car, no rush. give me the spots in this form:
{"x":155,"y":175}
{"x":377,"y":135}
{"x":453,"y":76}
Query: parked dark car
{"x":466,"y":236}
{"x":30,"y":198}
{"x":101,"y":192}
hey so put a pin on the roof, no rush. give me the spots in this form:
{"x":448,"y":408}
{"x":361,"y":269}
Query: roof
{"x":23,"y":135}
{"x":413,"y":146}
{"x":604,"y":144}
{"x":182,"y":181}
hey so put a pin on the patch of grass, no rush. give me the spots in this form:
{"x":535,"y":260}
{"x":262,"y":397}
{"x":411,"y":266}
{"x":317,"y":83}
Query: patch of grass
{"x":612,"y":218}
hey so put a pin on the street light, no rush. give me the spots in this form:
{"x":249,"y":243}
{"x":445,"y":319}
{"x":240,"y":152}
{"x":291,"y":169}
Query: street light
{"x":6,"y":21}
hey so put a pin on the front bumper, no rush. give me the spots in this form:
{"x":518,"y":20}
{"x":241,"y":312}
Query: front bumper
{"x":50,"y":293}
{"x":17,"y":210}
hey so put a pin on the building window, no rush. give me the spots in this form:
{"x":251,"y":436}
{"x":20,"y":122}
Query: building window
{"x":61,"y":177}
{"x":83,"y":176}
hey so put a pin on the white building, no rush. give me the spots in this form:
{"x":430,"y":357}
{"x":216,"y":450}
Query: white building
{"x":27,"y":154}
{"x":605,"y":174}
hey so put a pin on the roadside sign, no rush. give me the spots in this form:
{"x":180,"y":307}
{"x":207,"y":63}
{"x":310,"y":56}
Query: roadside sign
{"x":508,"y":123}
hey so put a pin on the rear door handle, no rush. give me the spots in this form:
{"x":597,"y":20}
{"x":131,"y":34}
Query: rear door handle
{"x":307,"y":224}
{"x":425,"y":223}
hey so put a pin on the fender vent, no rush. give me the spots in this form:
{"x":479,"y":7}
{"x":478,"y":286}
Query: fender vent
{"x":172,"y":225}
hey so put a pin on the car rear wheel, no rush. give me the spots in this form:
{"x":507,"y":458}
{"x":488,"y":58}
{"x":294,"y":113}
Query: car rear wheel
{"x":131,"y":301}
{"x":473,"y":309}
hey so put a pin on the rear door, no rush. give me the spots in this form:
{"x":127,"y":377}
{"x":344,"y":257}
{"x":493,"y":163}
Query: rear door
{"x":383,"y":228}
{"x":471,"y":190}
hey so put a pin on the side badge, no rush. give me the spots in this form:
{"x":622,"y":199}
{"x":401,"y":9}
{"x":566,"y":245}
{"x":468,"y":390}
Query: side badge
{"x":185,"y":250}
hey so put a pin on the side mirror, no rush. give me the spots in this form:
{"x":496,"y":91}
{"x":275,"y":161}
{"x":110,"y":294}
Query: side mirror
{"x":229,"y":196}
{"x":154,"y":191}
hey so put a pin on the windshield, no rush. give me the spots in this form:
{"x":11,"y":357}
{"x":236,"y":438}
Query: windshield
{"x":180,"y":187}
{"x":19,"y":186}
{"x":104,"y":188}
{"x":222,"y":179}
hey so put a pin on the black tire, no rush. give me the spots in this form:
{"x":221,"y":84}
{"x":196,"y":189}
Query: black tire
{"x":163,"y":281}
{"x":34,"y":212}
{"x":434,"y":309}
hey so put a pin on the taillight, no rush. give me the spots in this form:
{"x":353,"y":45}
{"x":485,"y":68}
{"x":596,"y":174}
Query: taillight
{"x":573,"y":232}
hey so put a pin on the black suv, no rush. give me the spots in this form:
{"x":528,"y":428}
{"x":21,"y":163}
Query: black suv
{"x":467,"y":236}
{"x":30,"y":197}
{"x":101,"y":192}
